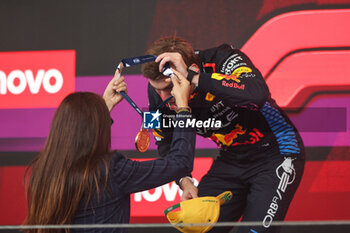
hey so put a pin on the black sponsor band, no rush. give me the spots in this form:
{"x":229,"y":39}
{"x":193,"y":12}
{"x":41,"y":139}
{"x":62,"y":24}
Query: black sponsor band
{"x":339,"y":153}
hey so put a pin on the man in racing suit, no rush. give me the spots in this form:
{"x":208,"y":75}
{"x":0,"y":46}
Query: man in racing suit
{"x":261,"y":153}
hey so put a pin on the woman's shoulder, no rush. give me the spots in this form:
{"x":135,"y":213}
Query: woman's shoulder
{"x":111,"y":159}
{"x":115,"y":157}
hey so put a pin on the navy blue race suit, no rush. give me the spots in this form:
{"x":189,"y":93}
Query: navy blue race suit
{"x":261,"y":153}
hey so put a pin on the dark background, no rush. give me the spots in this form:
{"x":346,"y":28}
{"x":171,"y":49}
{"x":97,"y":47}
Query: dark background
{"x":103,"y":32}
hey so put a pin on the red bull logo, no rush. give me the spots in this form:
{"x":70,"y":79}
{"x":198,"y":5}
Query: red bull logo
{"x":220,"y":77}
{"x":233,"y":85}
{"x":227,"y":139}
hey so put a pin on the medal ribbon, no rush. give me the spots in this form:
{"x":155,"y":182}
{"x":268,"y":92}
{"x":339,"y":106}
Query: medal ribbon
{"x":132,"y":61}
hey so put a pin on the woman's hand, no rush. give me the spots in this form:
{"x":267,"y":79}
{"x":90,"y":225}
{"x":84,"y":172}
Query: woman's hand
{"x":112,"y":94}
{"x":181,"y":89}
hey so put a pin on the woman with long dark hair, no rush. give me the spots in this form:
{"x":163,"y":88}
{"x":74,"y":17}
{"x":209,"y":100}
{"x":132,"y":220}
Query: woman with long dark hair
{"x":76,"y":179}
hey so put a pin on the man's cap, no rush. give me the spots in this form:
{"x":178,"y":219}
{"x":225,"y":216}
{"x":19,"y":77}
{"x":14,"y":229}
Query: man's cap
{"x":197,"y":210}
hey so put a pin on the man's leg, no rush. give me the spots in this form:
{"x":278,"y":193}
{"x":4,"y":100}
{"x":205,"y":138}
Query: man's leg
{"x":271,"y":192}
{"x":215,"y":183}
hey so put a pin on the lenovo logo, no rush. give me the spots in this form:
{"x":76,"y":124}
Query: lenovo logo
{"x":17,"y":81}
{"x":39,"y":79}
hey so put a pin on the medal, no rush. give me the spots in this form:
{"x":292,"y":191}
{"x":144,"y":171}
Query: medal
{"x":142,"y":140}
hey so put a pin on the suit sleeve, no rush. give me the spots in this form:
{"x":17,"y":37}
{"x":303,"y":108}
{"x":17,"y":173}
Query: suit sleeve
{"x":235,"y":79}
{"x":163,"y":136}
{"x":133,"y":176}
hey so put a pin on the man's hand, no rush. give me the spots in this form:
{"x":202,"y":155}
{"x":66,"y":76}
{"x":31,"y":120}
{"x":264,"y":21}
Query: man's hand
{"x":115,"y":86}
{"x":189,"y":190}
{"x":175,"y":60}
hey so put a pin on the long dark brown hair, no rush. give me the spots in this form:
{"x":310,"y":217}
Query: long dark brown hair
{"x":68,"y":168}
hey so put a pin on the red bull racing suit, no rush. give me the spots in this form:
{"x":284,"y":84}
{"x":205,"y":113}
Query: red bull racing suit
{"x":261,"y":153}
